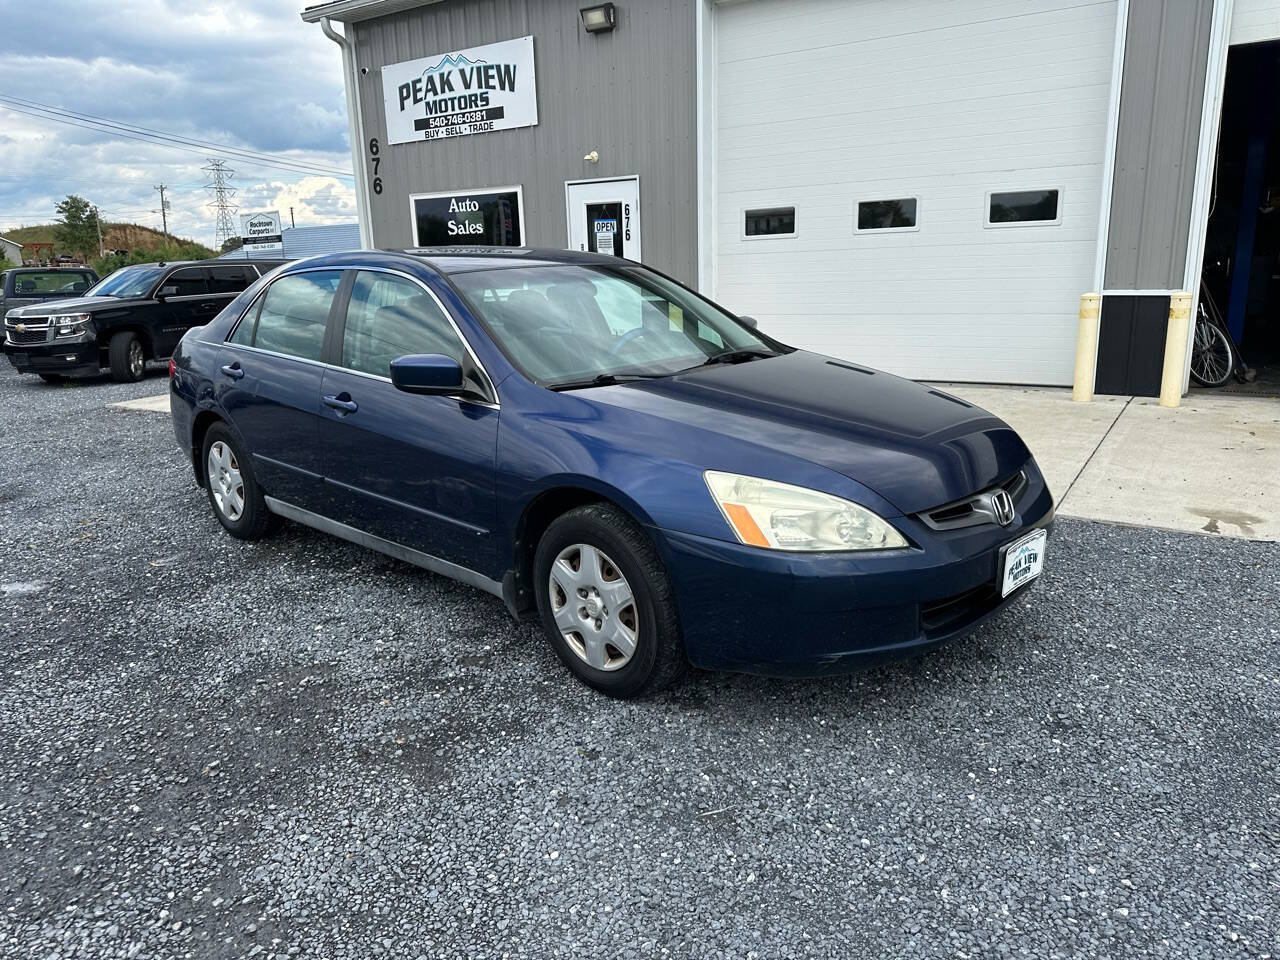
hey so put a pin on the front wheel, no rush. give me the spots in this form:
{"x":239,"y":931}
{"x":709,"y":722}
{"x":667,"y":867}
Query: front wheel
{"x":126,"y":357}
{"x":606,"y":603}
{"x":1213,"y":356}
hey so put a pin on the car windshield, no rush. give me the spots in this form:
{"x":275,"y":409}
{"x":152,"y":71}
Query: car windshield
{"x":127,"y":282}
{"x":570,"y":324}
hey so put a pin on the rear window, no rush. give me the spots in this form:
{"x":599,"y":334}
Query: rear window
{"x":51,"y":281}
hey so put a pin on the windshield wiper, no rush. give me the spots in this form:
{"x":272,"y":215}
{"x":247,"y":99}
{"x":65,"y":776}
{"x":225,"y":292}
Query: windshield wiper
{"x":740,"y":355}
{"x":605,"y":380}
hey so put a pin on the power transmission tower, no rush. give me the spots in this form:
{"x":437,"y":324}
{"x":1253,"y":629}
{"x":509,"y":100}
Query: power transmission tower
{"x":223,"y":202}
{"x":164,"y":211}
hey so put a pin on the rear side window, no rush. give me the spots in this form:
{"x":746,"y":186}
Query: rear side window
{"x":292,"y":314}
{"x":389,"y":317}
{"x":188,"y":283}
{"x":230,"y":279}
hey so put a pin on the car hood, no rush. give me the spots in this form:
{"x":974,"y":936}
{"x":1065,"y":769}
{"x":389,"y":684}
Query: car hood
{"x":914,"y":445}
{"x":69,"y":305}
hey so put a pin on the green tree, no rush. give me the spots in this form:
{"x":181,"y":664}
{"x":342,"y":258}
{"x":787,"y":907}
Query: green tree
{"x":77,"y":228}
{"x":232,"y":243}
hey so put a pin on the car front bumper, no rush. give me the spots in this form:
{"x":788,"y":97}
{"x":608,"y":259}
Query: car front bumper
{"x":68,"y":357}
{"x":768,"y":612}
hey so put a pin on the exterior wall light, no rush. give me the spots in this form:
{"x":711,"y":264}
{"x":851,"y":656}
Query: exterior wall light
{"x":599,"y":19}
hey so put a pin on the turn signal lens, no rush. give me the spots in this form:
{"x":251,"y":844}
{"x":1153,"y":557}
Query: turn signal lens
{"x":173,"y":368}
{"x":779,"y":516}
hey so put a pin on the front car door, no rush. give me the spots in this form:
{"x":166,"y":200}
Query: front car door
{"x":184,"y":302}
{"x":415,"y":470}
{"x":269,"y":379}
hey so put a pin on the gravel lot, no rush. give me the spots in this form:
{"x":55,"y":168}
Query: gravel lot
{"x":299,"y":748}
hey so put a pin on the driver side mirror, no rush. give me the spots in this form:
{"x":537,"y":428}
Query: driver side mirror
{"x":427,"y":373}
{"x":751,"y":322}
{"x":170,"y":290}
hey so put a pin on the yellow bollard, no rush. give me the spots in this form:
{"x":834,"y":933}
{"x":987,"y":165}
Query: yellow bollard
{"x":1086,"y":347}
{"x":1175,"y":349}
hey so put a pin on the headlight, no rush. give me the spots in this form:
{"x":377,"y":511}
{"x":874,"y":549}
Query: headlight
{"x":67,"y":325}
{"x":765,"y":513}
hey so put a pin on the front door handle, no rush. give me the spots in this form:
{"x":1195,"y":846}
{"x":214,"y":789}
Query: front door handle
{"x":342,"y":403}
{"x":233,"y":370}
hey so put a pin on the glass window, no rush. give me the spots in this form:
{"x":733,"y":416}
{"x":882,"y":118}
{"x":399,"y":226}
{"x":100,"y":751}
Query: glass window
{"x":389,"y":317}
{"x":887,"y":214}
{"x":1023,"y":206}
{"x":776,"y":221}
{"x":188,"y":283}
{"x":294,"y":310}
{"x":568,"y":323}
{"x":52,"y":281}
{"x":230,"y":279}
{"x":127,"y":282}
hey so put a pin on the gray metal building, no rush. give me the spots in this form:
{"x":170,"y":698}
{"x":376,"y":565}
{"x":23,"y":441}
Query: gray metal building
{"x":924,"y":186}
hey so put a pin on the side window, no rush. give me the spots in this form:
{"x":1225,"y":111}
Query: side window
{"x":388,"y":317}
{"x":1023,"y":206}
{"x":292,"y":316}
{"x":230,"y":279}
{"x":189,"y":282}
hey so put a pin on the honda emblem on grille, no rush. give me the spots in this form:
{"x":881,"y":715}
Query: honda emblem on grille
{"x":1002,"y":507}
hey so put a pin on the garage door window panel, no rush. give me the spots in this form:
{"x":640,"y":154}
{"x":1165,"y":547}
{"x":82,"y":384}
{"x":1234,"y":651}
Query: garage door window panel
{"x":390,"y":317}
{"x":1024,"y":208}
{"x":901,"y":214}
{"x":291,"y":320}
{"x":769,"y":222}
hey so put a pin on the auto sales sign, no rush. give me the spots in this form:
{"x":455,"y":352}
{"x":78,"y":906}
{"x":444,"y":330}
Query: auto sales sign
{"x":477,"y":90}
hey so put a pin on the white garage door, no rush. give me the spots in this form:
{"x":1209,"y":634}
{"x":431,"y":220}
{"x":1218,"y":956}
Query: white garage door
{"x":821,"y":104}
{"x":1255,"y":20}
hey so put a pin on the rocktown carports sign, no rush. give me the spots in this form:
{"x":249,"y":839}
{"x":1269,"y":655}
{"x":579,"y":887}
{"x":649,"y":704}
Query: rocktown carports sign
{"x":454,"y":94}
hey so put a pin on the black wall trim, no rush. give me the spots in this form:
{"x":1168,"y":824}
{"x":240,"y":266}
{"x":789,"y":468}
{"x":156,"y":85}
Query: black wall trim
{"x":1131,"y":345}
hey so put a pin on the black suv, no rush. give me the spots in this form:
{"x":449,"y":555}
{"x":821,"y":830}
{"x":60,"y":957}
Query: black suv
{"x":136,"y":314}
{"x":24,"y":286}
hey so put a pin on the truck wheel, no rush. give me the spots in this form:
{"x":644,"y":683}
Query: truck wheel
{"x":607,"y":604}
{"x":127,"y":359}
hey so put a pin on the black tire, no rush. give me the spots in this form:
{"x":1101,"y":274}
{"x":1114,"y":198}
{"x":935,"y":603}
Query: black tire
{"x":255,"y":521}
{"x":51,"y":377}
{"x":126,"y":357}
{"x":658,"y":660}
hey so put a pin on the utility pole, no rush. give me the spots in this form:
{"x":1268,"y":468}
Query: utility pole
{"x":164,"y":211}
{"x":97,"y":219}
{"x":291,"y":223}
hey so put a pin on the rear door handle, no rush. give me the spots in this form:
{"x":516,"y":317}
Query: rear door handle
{"x":233,"y":370}
{"x":342,"y":402}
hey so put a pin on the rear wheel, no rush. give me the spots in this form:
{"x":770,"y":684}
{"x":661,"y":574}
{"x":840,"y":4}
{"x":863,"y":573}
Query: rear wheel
{"x":606,"y":603}
{"x":126,"y":357}
{"x":233,"y":490}
{"x":1212,"y":354}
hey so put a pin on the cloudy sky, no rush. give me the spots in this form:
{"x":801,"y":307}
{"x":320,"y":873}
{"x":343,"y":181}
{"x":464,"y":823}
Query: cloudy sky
{"x":248,"y":73}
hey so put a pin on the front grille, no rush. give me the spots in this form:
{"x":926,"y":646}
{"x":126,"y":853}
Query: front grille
{"x":972,"y":511}
{"x":27,"y":336}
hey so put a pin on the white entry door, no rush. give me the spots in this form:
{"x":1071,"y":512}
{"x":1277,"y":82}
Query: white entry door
{"x":604,"y":216}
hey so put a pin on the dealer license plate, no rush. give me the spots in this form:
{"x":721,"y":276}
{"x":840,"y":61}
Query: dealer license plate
{"x":1022,"y":562}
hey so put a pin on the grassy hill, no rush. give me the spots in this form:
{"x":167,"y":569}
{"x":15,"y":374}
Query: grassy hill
{"x":133,"y":237}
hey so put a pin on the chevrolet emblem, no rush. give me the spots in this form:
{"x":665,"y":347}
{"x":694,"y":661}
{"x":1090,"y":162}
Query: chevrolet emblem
{"x":20,"y":327}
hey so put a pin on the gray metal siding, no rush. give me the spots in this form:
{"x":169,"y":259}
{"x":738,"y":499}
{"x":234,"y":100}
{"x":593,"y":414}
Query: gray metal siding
{"x":1166,"y":53}
{"x":629,"y":94}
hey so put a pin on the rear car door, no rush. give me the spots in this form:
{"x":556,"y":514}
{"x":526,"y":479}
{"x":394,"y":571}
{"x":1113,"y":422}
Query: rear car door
{"x":185,"y":302}
{"x":269,"y":380}
{"x":416,"y":470}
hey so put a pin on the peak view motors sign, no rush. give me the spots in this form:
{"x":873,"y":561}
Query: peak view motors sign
{"x":477,"y":90}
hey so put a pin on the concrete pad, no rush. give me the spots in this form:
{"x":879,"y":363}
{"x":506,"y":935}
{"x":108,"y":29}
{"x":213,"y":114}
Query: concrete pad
{"x":1062,"y":434}
{"x":1209,"y":466}
{"x":158,"y":404}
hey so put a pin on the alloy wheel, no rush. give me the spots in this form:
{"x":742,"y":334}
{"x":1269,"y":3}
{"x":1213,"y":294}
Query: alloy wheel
{"x":225,"y":482}
{"x":594,"y":607}
{"x":137,"y":360}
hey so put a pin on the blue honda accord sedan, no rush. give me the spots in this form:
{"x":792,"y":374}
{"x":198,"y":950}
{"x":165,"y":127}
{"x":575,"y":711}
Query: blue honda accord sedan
{"x":657,"y":481}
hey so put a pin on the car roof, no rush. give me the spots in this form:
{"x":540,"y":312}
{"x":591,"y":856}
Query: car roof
{"x":467,"y":259}
{"x":80,"y":269}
